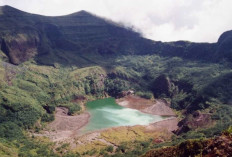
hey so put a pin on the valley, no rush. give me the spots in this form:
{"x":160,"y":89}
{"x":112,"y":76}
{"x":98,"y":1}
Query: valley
{"x":103,"y":121}
{"x":55,"y":72}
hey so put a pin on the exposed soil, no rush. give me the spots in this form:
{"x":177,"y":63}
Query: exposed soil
{"x":65,"y":126}
{"x":169,"y":124}
{"x":157,"y":107}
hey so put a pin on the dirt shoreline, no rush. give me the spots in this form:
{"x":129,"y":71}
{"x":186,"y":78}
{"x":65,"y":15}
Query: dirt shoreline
{"x":169,"y":124}
{"x":66,"y":127}
{"x":157,"y":107}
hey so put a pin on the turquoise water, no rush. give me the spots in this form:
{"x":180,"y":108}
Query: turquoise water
{"x":105,"y":113}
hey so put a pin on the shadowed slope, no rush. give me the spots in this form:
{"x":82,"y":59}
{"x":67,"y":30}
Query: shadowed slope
{"x":82,"y":38}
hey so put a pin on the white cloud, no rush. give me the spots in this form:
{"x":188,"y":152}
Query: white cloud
{"x":165,"y":20}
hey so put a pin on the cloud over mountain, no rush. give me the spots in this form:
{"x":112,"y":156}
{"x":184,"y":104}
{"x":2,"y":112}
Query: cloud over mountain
{"x":166,"y":20}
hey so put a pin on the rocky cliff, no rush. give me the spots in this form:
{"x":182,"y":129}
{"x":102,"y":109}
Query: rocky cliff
{"x":68,"y":39}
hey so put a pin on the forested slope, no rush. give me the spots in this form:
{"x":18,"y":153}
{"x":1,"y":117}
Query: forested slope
{"x":47,"y":62}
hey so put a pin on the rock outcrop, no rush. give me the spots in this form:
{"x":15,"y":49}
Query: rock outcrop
{"x":194,"y":121}
{"x":218,"y":146}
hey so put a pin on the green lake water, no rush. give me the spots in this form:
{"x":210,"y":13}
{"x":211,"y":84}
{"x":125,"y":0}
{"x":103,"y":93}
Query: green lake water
{"x":105,"y":113}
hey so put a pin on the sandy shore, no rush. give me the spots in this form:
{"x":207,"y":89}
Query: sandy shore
{"x":157,"y":107}
{"x":169,"y":124}
{"x":65,"y":126}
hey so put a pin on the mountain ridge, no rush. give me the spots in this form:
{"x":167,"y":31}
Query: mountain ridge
{"x":67,"y":39}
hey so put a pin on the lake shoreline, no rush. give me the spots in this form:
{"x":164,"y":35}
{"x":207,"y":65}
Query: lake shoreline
{"x":157,"y":107}
{"x":66,"y":127}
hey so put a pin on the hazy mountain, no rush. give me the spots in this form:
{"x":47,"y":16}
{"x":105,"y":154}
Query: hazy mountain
{"x":68,"y":39}
{"x":62,"y":38}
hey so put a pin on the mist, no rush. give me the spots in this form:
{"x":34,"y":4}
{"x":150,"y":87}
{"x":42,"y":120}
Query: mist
{"x":162,"y":20}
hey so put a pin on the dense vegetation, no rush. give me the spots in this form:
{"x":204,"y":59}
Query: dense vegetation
{"x":29,"y":93}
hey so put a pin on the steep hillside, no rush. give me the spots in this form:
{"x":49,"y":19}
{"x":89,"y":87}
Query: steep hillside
{"x":225,"y":46}
{"x":64,"y":39}
{"x":218,"y":146}
{"x":79,"y":37}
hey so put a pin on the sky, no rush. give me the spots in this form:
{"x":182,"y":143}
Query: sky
{"x":160,"y":20}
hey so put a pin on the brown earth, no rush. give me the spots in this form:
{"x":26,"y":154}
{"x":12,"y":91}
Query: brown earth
{"x":194,"y":121}
{"x":157,"y":107}
{"x":65,"y":126}
{"x":21,"y":46}
{"x":169,"y":124}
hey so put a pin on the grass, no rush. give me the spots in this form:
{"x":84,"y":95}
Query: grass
{"x":87,"y":148}
{"x":7,"y":149}
{"x":131,"y":139}
{"x":33,"y":91}
{"x":130,"y":134}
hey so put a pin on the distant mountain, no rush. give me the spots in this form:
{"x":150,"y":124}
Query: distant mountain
{"x":225,"y":45}
{"x":74,"y":38}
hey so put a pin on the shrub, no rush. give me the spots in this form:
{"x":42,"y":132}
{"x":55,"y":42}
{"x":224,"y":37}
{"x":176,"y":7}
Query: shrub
{"x":146,"y":95}
{"x":110,"y":149}
{"x":74,"y":108}
{"x":47,"y":117}
{"x":27,"y":117}
{"x":10,"y":130}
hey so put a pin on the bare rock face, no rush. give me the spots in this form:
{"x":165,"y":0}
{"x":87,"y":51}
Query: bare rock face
{"x":20,"y":47}
{"x":194,"y":121}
